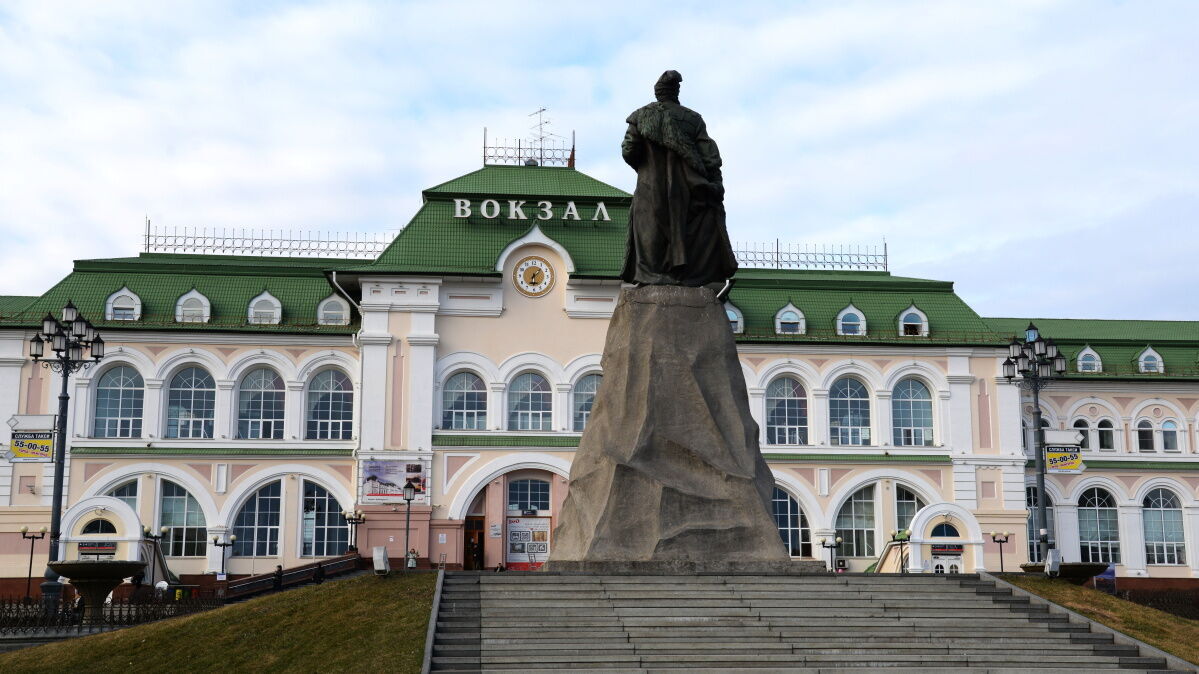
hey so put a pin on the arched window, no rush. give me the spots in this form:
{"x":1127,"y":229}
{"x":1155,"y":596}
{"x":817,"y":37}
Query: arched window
{"x":333,"y":311}
{"x":264,"y":310}
{"x":849,"y":413}
{"x":786,"y":412}
{"x":792,"y":524}
{"x":1150,"y":362}
{"x":123,"y":305}
{"x":257,"y":523}
{"x":178,"y":510}
{"x":582,"y":398}
{"x":330,"y":407}
{"x":1169,"y":436}
{"x":1030,"y":502}
{"x":907,"y":503}
{"x":736,"y":320}
{"x":192,"y":307}
{"x":530,"y":404}
{"x":850,"y":323}
{"x":127,"y":493}
{"x":324,"y":531}
{"x":1084,"y":429}
{"x":119,"y":396}
{"x":946,"y":530}
{"x":1088,"y":361}
{"x":913,"y":323}
{"x":1145,"y":435}
{"x":1165,"y":541}
{"x":260,"y":406}
{"x":528,"y":495}
{"x":1098,"y":527}
{"x":464,"y":403}
{"x":100,"y":526}
{"x":1107,"y":434}
{"x":855,"y":524}
{"x":191,"y":404}
{"x":789,"y":321}
{"x":912,"y":413}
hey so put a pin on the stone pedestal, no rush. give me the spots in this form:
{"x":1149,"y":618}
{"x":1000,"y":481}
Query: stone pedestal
{"x":668,"y":473}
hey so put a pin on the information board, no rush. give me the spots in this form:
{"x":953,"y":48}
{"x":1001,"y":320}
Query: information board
{"x":528,"y":543}
{"x":32,"y":446}
{"x":383,"y":480}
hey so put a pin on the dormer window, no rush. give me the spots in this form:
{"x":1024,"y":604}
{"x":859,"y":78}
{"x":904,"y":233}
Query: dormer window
{"x":333,"y":310}
{"x":736,"y":320}
{"x":123,"y":305}
{"x":265,"y":310}
{"x":789,"y":321}
{"x":851,"y":322}
{"x":913,"y":322}
{"x":1150,"y":362}
{"x":192,"y":307}
{"x":1089,"y":361}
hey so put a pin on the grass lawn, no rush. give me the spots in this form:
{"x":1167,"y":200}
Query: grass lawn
{"x":363,"y":624}
{"x":1178,"y":636}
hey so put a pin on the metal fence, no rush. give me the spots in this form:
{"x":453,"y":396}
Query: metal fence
{"x":308,"y":573}
{"x":20,"y":617}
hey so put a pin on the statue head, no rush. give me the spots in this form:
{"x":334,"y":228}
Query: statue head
{"x":667,"y":86}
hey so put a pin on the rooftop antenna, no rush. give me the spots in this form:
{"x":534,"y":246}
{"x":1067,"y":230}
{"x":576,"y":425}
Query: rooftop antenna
{"x":541,"y":133}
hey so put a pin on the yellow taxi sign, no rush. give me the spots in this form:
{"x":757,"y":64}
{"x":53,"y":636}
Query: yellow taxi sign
{"x":1063,"y":459}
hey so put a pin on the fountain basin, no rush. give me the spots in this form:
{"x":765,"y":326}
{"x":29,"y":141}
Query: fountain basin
{"x":94,"y":580}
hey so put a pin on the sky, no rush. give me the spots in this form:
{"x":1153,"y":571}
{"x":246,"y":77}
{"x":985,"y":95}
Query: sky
{"x":1041,"y":154}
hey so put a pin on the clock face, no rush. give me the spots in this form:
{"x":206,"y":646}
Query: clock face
{"x":533,"y":276}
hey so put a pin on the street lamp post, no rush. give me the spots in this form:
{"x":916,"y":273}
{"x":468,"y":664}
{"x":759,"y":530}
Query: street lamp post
{"x":228,"y":543}
{"x":409,"y":494}
{"x":1036,"y":361}
{"x":69,"y":339}
{"x":32,"y":541}
{"x":831,"y":546}
{"x":902,"y":537}
{"x":354,"y":518}
{"x":1000,"y":539}
{"x":154,"y":557}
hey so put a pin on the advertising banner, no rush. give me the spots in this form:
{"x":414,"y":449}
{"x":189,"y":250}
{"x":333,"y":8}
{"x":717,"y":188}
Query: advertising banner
{"x":31,"y":446}
{"x":383,"y":481}
{"x":528,"y":543}
{"x":1063,"y":459}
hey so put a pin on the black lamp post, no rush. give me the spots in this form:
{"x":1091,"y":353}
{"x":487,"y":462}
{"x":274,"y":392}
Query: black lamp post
{"x":154,"y":557}
{"x":1036,"y":361}
{"x":69,"y":339}
{"x":902,"y":537}
{"x":222,"y":546}
{"x":32,"y":541}
{"x":409,"y":494}
{"x":831,"y":546}
{"x":1000,"y":539}
{"x":354,"y":518}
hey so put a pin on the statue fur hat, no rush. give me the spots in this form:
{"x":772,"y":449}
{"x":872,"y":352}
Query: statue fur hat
{"x":667,"y":86}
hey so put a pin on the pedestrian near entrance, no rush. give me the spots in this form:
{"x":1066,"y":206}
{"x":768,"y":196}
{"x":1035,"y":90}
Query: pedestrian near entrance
{"x":278,"y":580}
{"x":411,"y":564}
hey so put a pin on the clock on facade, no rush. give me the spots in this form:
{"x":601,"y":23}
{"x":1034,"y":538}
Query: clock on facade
{"x":533,"y":276}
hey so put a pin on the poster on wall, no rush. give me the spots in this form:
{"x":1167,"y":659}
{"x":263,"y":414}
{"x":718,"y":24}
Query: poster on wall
{"x":31,"y":446}
{"x":1067,"y":459}
{"x":383,"y":481}
{"x":528,"y":543}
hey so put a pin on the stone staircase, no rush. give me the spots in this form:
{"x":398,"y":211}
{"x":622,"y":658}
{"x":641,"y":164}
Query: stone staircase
{"x":730,"y":623}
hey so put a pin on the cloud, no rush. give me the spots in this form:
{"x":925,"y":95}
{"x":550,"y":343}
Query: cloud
{"x":974,"y":137}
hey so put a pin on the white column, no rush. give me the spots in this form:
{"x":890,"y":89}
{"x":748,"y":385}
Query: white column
{"x":153,"y":410}
{"x":959,"y":435}
{"x":1190,"y":524}
{"x":12,"y":358}
{"x":213,"y":552}
{"x":1007,"y":400}
{"x":883,"y":435}
{"x":496,"y":410}
{"x":422,"y":357}
{"x":1132,"y":540}
{"x":818,"y":419}
{"x":562,"y":416}
{"x":757,"y":410}
{"x":375,"y":340}
{"x":965,"y":485}
{"x":224,"y":420}
{"x":1067,"y":532}
{"x":293,"y":411}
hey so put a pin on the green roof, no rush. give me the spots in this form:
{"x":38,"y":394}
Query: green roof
{"x":527,"y":181}
{"x":861,"y":458}
{"x":159,"y":279}
{"x":1075,"y":329}
{"x":13,"y":304}
{"x":209,"y":451}
{"x":440,"y":440}
{"x":1118,"y":343}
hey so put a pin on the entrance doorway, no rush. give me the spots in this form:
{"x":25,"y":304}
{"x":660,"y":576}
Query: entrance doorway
{"x":472,"y":544}
{"x":947,"y":564}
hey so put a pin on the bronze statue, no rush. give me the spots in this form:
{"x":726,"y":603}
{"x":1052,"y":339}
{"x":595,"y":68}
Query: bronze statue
{"x":677,"y":232}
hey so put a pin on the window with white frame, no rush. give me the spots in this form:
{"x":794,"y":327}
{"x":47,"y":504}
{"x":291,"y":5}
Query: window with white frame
{"x":1084,"y":429}
{"x":464,"y":403}
{"x":123,"y":305}
{"x":1089,"y":361}
{"x":1165,"y":540}
{"x":1098,"y":527}
{"x":260,"y":406}
{"x":99,"y":526}
{"x":1145,"y":435}
{"x":186,"y":534}
{"x":855,"y":524}
{"x":913,"y":323}
{"x":530,"y":404}
{"x":582,"y":398}
{"x":792,"y":524}
{"x":257,"y":523}
{"x":912,"y":414}
{"x":735,"y":318}
{"x":786,"y":412}
{"x":330,"y":407}
{"x":1170,"y":436}
{"x":265,"y":310}
{"x":528,"y":495}
{"x":191,"y":404}
{"x":1150,"y":362}
{"x":907,"y":504}
{"x":127,"y":493}
{"x":333,"y":311}
{"x":851,"y":322}
{"x":789,"y":321}
{"x":849,"y":413}
{"x":1106,"y":431}
{"x":1030,"y":502}
{"x":324,"y":531}
{"x":192,"y":307}
{"x":119,"y":395}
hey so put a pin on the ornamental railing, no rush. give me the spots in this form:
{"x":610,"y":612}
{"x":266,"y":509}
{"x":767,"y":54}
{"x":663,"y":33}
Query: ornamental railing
{"x":777,"y":255}
{"x":266,"y":242}
{"x":18,"y":616}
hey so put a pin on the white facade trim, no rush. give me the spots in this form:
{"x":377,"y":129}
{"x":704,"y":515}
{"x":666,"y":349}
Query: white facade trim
{"x":535,"y":237}
{"x":489,"y":471}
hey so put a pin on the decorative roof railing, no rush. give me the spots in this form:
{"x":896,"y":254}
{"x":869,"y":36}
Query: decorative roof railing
{"x":776,"y":255}
{"x":270,"y":242}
